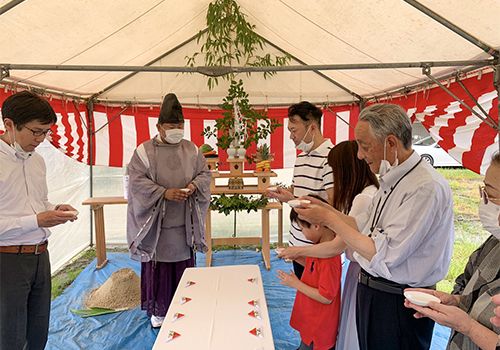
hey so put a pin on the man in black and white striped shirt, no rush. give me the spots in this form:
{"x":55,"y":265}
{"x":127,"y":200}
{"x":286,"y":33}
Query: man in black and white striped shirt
{"x":312,"y":174}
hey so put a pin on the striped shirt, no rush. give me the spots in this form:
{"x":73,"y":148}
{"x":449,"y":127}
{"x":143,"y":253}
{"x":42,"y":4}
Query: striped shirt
{"x":311,"y":175}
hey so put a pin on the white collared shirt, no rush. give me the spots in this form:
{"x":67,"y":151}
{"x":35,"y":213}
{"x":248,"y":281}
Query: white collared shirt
{"x":23,"y":194}
{"x":414,"y":234}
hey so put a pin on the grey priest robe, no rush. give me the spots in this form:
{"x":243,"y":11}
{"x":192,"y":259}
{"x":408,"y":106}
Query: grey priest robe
{"x":160,"y":229}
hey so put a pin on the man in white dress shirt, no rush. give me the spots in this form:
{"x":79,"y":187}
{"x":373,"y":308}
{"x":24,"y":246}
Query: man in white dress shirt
{"x":25,"y":215}
{"x":408,"y":236}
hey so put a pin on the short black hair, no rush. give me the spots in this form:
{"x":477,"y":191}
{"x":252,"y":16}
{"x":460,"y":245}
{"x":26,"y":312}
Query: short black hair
{"x":294,"y":217}
{"x":26,"y":106}
{"x":306,"y":111}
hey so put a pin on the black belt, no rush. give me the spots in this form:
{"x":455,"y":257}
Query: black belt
{"x":383,"y":285}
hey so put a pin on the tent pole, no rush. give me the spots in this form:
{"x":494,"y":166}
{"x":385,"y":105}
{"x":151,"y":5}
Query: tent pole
{"x":362,"y":104}
{"x":128,"y":76}
{"x":405,"y":90}
{"x":454,"y":28}
{"x":427,"y":71}
{"x":476,"y":102}
{"x":90,"y":130}
{"x":215,"y":71}
{"x":334,"y":82}
{"x":496,"y":82}
{"x":10,"y":5}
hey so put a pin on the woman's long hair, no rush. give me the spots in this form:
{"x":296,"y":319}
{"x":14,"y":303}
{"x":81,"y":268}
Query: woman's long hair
{"x":350,"y":175}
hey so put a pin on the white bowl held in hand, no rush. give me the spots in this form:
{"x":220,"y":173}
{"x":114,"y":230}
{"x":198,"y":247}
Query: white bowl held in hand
{"x":186,"y":190}
{"x":298,"y":203}
{"x":420,"y":298}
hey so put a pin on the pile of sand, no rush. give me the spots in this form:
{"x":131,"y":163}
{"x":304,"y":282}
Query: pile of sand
{"x":121,"y":290}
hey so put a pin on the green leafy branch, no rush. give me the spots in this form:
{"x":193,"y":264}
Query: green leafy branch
{"x":230,"y":38}
{"x":227,"y":204}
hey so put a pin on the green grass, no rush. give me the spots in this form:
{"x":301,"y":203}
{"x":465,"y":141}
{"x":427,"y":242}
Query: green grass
{"x":468,"y":233}
{"x":62,"y":279}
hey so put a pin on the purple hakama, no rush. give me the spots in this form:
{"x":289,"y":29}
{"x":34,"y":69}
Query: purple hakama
{"x":159,"y":280}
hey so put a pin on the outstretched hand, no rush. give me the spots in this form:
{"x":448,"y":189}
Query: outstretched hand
{"x":290,"y":253}
{"x":51,"y":218}
{"x":316,"y":212}
{"x":281,"y":194}
{"x":446,"y":298}
{"x":288,"y":279}
{"x":446,"y":315}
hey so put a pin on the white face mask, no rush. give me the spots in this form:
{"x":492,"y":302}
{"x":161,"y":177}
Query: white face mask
{"x":174,"y":135}
{"x":303,"y":146}
{"x":20,"y":152}
{"x":385,"y":166}
{"x":488,"y":213}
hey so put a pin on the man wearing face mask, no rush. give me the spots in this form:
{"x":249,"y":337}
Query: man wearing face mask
{"x":312,"y":174}
{"x":25,"y":216}
{"x":169,"y":194}
{"x":468,"y":310}
{"x":404,"y":239}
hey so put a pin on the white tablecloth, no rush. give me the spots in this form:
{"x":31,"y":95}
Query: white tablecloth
{"x":217,"y":317}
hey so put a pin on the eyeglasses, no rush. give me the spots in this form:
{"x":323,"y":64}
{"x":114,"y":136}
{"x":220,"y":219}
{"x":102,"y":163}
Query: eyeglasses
{"x":38,"y":133}
{"x":484,"y":195}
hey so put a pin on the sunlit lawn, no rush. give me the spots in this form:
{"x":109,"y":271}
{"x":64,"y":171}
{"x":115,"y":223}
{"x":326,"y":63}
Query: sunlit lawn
{"x":468,"y":230}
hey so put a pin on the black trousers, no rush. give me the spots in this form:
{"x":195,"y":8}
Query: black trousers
{"x":384,"y":323}
{"x":25,"y":285}
{"x":298,"y":269}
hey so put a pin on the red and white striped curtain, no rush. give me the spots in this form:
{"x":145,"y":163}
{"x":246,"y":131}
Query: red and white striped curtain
{"x":119,"y":131}
{"x":458,"y":131}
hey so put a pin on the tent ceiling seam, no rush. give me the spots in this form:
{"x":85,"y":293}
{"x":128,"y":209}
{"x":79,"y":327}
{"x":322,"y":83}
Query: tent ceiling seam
{"x":119,"y":81}
{"x":454,"y":28}
{"x":349,"y":76}
{"x":324,"y":76}
{"x":169,"y":52}
{"x":339,"y":39}
{"x":103,"y":39}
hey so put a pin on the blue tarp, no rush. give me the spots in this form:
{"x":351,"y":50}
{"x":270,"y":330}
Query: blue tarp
{"x":131,"y":329}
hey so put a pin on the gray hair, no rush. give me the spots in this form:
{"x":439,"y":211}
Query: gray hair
{"x":388,"y":119}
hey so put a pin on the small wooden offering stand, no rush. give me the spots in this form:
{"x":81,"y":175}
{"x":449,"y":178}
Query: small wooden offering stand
{"x":237,"y":176}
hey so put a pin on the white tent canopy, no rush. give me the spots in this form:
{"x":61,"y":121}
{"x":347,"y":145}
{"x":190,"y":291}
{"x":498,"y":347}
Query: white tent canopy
{"x":132,"y":33}
{"x":161,"y":33}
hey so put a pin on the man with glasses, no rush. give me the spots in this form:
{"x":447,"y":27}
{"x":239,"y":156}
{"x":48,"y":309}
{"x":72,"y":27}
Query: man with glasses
{"x":404,"y":239}
{"x":25,"y":216}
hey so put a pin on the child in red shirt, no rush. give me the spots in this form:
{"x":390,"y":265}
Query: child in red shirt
{"x":316,"y":309}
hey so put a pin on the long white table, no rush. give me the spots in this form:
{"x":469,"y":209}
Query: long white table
{"x":217,"y":316}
